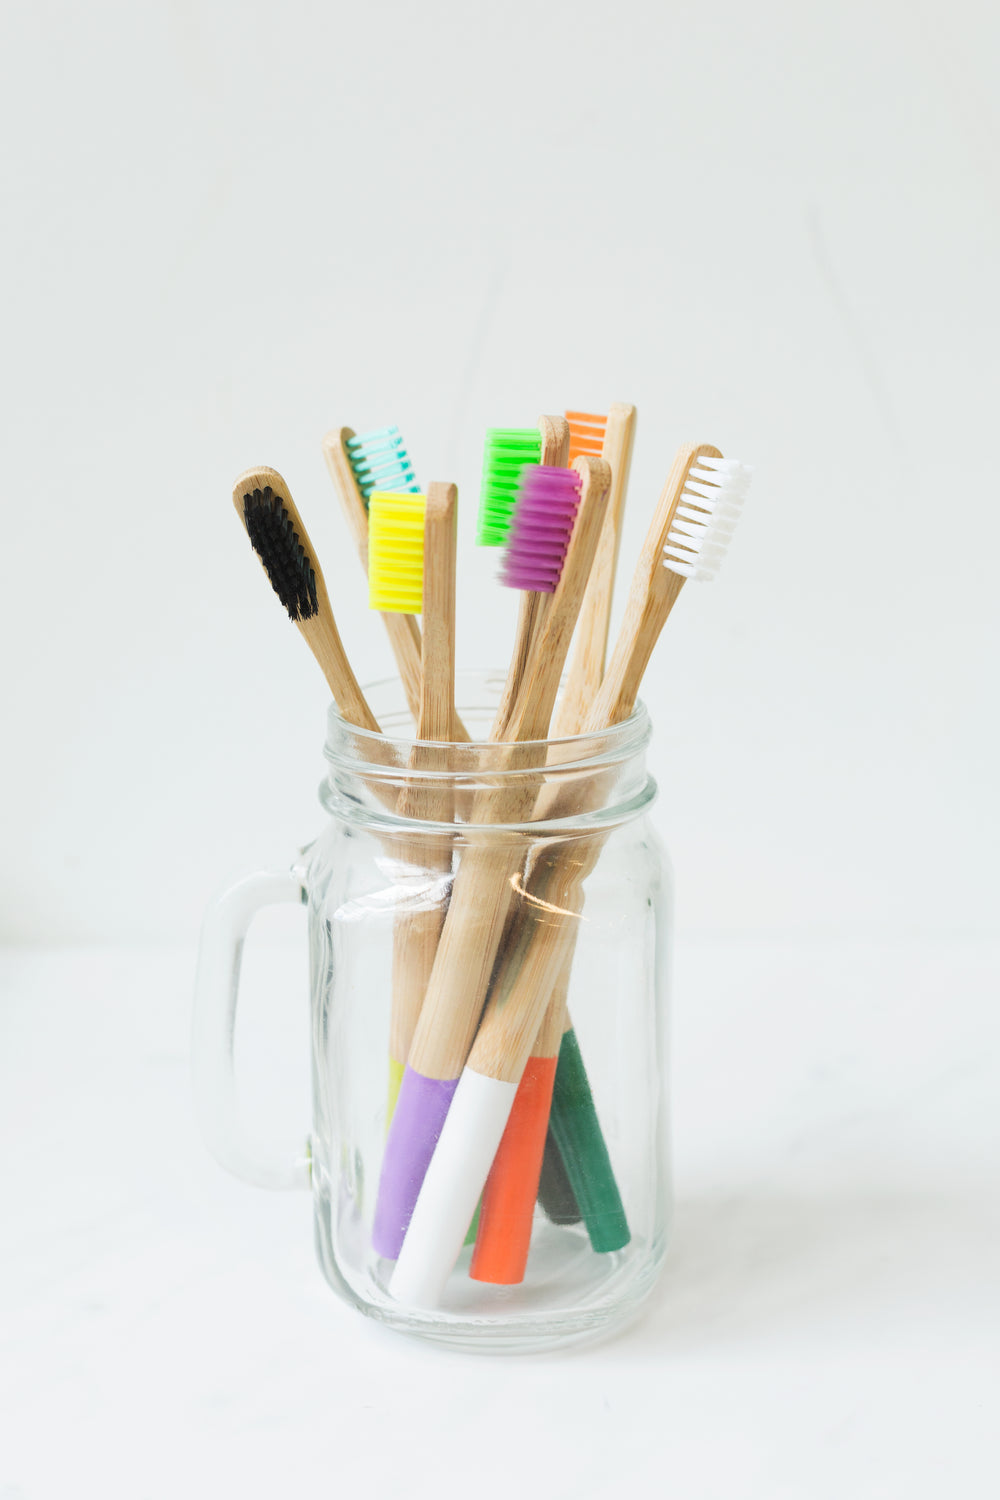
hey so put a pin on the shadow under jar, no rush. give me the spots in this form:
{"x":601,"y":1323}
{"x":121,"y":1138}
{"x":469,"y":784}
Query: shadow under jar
{"x":486,"y":910}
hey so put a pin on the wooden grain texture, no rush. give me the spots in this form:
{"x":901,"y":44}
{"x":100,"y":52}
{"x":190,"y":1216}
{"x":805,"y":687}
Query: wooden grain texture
{"x":437,"y":669}
{"x":489,"y":872}
{"x":586,"y":666}
{"x":320,"y":630}
{"x":542,"y":948}
{"x":556,"y":1019}
{"x":554,"y":453}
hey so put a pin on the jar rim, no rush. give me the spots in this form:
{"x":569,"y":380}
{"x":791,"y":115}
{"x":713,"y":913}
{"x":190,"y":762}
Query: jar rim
{"x":572,"y":782}
{"x":346,"y":742}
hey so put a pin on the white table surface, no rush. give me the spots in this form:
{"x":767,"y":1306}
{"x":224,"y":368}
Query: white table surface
{"x":828,"y":1324}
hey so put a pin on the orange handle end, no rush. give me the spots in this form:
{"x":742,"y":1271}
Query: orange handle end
{"x":508,"y":1206}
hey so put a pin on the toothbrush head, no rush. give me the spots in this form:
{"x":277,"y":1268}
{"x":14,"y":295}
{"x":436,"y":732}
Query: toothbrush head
{"x":396,"y":552}
{"x":705,"y":517}
{"x":586,"y":433}
{"x":541,"y":528}
{"x":508,"y":451}
{"x":380,"y":462}
{"x":272,"y":524}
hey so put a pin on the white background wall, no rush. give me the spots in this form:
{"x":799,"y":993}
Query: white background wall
{"x":771,"y":226}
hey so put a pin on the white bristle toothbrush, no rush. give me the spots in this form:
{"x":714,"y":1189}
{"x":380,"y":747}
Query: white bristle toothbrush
{"x":694,"y":520}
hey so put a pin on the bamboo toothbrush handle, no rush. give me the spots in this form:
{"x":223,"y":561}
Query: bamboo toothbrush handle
{"x":616,"y":696}
{"x":437,"y":687}
{"x":323,"y":638}
{"x":436,"y":708}
{"x":586,"y":668}
{"x":404,"y":642}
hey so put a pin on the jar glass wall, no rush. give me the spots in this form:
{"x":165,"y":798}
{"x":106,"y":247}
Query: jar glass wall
{"x":538,"y":870}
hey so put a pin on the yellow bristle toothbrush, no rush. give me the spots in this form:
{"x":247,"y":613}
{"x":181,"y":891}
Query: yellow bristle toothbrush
{"x":694,"y":520}
{"x":360,"y":465}
{"x":411,"y":569}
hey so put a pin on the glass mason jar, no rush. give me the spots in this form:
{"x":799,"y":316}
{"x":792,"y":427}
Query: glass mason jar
{"x":489,"y":935}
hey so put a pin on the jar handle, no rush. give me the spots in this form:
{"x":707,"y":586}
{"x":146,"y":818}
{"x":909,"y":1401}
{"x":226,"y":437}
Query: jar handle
{"x":216,"y":994}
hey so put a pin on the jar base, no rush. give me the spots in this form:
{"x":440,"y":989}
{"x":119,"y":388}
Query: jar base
{"x":512,"y":1326}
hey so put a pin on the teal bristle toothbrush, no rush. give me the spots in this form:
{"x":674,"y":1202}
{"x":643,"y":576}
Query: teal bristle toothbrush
{"x":380,"y":461}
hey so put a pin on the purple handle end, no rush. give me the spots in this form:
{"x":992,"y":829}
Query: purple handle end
{"x":417,"y":1122}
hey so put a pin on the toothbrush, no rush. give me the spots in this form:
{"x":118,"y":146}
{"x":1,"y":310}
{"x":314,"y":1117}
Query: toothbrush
{"x":612,"y":436}
{"x":504,"y":463}
{"x":515,"y":1180}
{"x":694,"y":520}
{"x":265,"y":506}
{"x":358,"y":466}
{"x":412,"y":564}
{"x":572,"y":503}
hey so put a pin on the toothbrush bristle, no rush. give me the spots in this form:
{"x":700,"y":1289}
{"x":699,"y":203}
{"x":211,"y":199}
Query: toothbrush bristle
{"x":380,"y":462}
{"x":705,"y":517}
{"x":541,"y":528}
{"x":286,"y":562}
{"x":586,"y":433}
{"x":396,"y":552}
{"x":508,"y":451}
